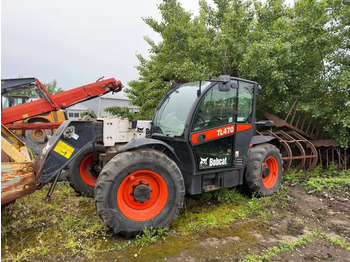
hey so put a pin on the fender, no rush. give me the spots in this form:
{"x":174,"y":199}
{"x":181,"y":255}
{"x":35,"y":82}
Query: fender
{"x":256,"y":140}
{"x":150,"y":143}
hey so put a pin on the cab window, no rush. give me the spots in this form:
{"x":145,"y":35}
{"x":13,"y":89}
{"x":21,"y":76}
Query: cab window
{"x":173,"y":113}
{"x":215,"y":109}
{"x":245,"y":102}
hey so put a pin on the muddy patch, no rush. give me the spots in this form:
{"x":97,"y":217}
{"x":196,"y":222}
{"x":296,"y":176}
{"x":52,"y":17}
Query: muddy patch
{"x":217,"y":242}
{"x":318,"y":250}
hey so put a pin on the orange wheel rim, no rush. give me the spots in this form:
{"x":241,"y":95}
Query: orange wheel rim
{"x":142,"y":195}
{"x":85,"y":172}
{"x":270,"y":172}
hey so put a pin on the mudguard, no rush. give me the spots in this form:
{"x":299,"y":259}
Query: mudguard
{"x":150,"y":143}
{"x":256,"y":140}
{"x":71,"y":138}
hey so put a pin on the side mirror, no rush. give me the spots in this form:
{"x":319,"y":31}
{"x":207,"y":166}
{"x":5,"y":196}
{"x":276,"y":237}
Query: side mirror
{"x":224,"y":83}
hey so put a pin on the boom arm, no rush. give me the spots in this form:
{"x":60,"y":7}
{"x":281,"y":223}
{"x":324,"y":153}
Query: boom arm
{"x":58,"y":101}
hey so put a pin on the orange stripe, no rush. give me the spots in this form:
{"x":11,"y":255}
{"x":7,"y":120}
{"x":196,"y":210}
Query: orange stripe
{"x":219,"y":132}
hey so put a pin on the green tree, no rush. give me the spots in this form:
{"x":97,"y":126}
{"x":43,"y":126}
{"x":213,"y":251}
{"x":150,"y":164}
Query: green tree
{"x":52,"y":87}
{"x":299,"y":53}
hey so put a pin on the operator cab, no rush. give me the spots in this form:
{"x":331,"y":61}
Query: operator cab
{"x":211,"y":107}
{"x":13,"y":100}
{"x":210,"y":125}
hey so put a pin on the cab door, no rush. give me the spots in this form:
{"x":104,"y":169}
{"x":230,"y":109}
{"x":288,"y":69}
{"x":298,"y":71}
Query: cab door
{"x":216,"y":121}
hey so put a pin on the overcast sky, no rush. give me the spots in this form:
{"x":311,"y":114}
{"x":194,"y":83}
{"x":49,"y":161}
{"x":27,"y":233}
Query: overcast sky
{"x":76,"y":41}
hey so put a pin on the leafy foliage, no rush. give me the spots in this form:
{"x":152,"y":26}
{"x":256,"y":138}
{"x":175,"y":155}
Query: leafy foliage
{"x":299,"y":52}
{"x":320,"y":181}
{"x":150,"y":235}
{"x":52,"y":87}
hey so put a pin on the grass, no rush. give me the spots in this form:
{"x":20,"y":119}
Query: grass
{"x":68,"y":228}
{"x":330,"y":181}
{"x":151,"y":235}
{"x":319,"y":180}
{"x":286,"y":247}
{"x":217,"y":209}
{"x":336,"y":241}
{"x":276,"y":250}
{"x":61,"y":229}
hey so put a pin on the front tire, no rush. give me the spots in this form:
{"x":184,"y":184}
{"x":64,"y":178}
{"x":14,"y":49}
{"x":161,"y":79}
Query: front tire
{"x":138,"y":189}
{"x":80,"y":175}
{"x":263,"y":174}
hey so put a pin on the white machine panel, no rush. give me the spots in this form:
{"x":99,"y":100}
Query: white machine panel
{"x":117,"y":130}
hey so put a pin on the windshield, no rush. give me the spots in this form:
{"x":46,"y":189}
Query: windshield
{"x":172,"y":114}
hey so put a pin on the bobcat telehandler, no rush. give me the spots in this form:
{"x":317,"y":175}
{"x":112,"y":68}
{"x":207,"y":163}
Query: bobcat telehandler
{"x":202,"y":138}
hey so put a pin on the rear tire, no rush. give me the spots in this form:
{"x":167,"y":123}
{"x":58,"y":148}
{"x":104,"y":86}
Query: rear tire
{"x":79,"y":175}
{"x":263,"y":174}
{"x":138,"y":189}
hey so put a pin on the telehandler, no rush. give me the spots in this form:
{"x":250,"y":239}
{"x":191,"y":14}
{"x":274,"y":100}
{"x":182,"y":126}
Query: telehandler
{"x":201,"y":138}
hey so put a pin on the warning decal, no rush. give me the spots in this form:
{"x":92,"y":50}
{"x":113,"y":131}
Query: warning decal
{"x":64,"y":149}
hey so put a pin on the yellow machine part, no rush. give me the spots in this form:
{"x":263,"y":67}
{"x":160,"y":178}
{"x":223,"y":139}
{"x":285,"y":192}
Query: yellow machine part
{"x":52,"y":117}
{"x":17,"y":169}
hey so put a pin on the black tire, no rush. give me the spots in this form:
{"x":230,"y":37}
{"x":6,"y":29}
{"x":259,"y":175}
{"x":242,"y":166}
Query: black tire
{"x":263,"y":173}
{"x":118,"y":199}
{"x":79,"y":175}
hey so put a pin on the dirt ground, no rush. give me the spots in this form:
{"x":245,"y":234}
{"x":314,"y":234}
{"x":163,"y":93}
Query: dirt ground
{"x":318,"y":223}
{"x":304,"y":228}
{"x":301,"y":227}
{"x":328,"y":215}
